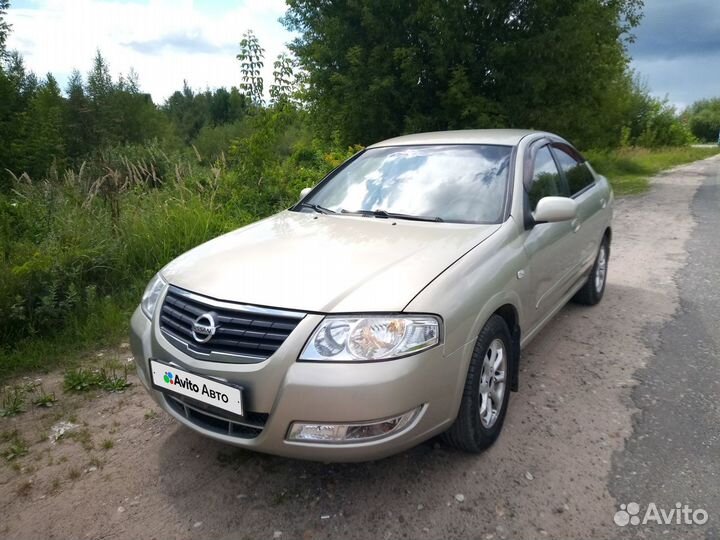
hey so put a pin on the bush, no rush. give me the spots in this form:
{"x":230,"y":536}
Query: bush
{"x":653,"y":123}
{"x":703,"y":118}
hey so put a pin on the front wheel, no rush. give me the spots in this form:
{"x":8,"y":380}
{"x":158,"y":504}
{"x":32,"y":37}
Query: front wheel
{"x":593,"y":290}
{"x":487,"y":390}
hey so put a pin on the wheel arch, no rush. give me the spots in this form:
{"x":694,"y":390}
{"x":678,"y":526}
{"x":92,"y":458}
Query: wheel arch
{"x":508,"y":307}
{"x":510,"y":315}
{"x":608,"y":234}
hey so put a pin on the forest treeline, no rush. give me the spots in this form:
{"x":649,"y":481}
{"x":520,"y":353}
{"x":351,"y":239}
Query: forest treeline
{"x":100,"y":186}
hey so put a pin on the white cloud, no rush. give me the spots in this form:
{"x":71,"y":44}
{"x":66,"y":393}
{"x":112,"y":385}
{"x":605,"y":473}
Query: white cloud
{"x":165,"y":41}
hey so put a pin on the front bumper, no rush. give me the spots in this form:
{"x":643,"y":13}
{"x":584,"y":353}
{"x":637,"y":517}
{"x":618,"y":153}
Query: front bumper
{"x":281,"y":390}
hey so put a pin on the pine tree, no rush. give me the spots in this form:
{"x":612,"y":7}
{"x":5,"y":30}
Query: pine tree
{"x":40,"y":144}
{"x":79,"y":120}
{"x":4,"y":27}
{"x":98,"y":88}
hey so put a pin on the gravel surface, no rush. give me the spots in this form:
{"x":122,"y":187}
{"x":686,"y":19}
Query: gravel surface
{"x":585,"y":433}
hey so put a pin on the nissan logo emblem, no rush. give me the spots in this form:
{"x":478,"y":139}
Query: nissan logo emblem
{"x":203,"y":328}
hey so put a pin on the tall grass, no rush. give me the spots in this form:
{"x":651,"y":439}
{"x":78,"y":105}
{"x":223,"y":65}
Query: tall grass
{"x":629,"y":169}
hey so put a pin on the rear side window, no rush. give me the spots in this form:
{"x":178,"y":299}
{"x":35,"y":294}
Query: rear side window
{"x":576,"y":173}
{"x":546,"y":181}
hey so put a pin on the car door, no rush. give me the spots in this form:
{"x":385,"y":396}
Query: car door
{"x":547,"y":245}
{"x":587,"y":226}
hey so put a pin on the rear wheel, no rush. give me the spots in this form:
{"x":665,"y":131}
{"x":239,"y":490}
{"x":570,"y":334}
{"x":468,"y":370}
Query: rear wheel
{"x":487,"y":390}
{"x":593,"y":290}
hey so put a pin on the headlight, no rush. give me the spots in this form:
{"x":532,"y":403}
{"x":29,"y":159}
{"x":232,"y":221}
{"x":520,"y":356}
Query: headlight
{"x":152,"y":295}
{"x":373,"y":337}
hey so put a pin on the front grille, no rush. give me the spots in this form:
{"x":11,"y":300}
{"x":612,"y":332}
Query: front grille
{"x":243,"y":333}
{"x":217,"y":420}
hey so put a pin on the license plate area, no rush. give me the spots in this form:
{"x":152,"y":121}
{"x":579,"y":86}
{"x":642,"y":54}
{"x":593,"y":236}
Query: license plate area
{"x":197,"y":388}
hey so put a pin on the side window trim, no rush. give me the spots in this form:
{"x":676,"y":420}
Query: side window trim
{"x":577,"y":157}
{"x":564,"y":184}
{"x":529,"y":174}
{"x":529,"y":163}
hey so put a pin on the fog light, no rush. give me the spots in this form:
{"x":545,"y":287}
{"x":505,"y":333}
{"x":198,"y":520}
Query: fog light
{"x":349,"y":433}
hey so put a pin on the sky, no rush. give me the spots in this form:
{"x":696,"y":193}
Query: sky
{"x":677,"y":48}
{"x":164,"y":41}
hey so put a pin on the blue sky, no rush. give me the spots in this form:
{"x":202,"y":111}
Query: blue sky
{"x":677,"y":51}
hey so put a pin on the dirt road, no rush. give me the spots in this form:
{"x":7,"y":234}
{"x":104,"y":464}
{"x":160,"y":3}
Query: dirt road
{"x":128,"y":471}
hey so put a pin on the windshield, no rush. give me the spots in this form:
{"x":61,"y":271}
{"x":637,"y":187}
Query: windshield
{"x":462,"y":183}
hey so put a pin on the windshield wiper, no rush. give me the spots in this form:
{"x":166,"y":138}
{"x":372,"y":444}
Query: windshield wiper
{"x":319,"y":209}
{"x":390,"y":215}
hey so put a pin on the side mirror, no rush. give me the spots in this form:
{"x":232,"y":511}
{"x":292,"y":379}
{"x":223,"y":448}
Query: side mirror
{"x":304,"y":192}
{"x":554,"y":209}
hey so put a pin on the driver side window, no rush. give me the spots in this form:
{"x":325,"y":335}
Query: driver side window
{"x":546,"y":180}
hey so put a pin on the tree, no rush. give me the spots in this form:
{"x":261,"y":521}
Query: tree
{"x":251,"y":62}
{"x":425,"y":65}
{"x":188,"y":112}
{"x":649,"y":121}
{"x":17,"y":91}
{"x":99,"y":80}
{"x":40,"y":143}
{"x":98,"y":88}
{"x":4,"y":26}
{"x":79,"y":120}
{"x":703,"y":118}
{"x":285,"y":81}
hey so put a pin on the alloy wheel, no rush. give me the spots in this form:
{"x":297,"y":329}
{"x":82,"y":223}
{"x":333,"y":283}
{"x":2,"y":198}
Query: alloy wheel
{"x":493,"y":375}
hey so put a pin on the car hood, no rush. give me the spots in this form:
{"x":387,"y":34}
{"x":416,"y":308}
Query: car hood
{"x":325,"y":263}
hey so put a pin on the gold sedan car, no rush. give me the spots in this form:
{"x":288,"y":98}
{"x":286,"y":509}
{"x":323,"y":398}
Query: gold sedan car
{"x":389,"y":305}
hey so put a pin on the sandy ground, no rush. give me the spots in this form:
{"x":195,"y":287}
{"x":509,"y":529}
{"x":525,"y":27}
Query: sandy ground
{"x":548,"y":474}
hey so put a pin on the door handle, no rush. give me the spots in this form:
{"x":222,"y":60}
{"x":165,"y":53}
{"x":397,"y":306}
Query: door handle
{"x":575,"y":224}
{"x":603,"y":203}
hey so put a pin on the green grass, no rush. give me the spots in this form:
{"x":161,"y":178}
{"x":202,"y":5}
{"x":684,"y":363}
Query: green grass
{"x":16,"y":448}
{"x":629,"y":169}
{"x":45,"y":399}
{"x":83,"y":379}
{"x":106,"y":324}
{"x":12,"y":401}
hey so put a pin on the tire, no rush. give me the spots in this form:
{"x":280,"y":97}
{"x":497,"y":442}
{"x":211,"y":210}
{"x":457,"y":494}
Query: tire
{"x":473,"y":432}
{"x":594,"y":288}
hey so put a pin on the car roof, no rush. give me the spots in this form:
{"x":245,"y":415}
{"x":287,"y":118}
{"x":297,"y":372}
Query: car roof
{"x":505,"y":137}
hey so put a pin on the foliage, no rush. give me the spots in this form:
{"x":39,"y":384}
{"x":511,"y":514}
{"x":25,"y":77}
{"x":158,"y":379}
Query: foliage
{"x":4,"y":26}
{"x":13,"y":401}
{"x":16,"y":448}
{"x":549,"y":65}
{"x":45,"y":399}
{"x":251,"y":62}
{"x":189,"y":112}
{"x":83,"y":380}
{"x":651,"y":122}
{"x":46,"y":131}
{"x":703,"y":118}
{"x":287,"y":81}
